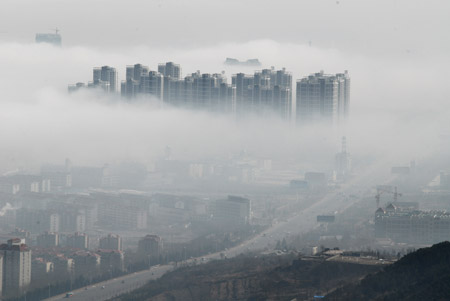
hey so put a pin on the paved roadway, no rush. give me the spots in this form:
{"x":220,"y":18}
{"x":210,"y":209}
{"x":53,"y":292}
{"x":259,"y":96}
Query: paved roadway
{"x":114,"y":287}
{"x":301,"y":222}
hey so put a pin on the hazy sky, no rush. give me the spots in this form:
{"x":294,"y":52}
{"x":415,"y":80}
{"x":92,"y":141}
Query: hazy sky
{"x":397,"y":53}
{"x":369,"y":26}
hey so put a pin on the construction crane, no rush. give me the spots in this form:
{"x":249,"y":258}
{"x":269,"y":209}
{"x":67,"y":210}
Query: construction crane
{"x":381,"y":190}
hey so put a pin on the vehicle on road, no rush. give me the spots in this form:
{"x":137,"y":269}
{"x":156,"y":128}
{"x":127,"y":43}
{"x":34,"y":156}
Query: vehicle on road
{"x":68,"y":295}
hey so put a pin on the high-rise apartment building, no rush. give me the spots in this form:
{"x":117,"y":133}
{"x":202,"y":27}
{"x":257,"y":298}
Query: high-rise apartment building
{"x":170,"y":69}
{"x":323,"y":98}
{"x":266,"y":92}
{"x":48,"y":240}
{"x":150,"y":245}
{"x":78,"y":241}
{"x":16,"y":266}
{"x":111,"y":242}
{"x":199,"y":91}
{"x":111,"y":260}
{"x":106,"y":78}
{"x":141,"y":81}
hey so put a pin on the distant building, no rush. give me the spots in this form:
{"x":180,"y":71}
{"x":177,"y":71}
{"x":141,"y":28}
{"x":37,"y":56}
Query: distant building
{"x":105,"y":77}
{"x":9,"y":185}
{"x":86,"y":263}
{"x":412,"y":226}
{"x":91,"y":177}
{"x":76,"y":87}
{"x":232,"y":211}
{"x":49,"y":38}
{"x":62,"y":266}
{"x":60,"y":176}
{"x":266,"y":92}
{"x":118,"y":213}
{"x":78,"y":241}
{"x":111,"y":260}
{"x":323,"y":98}
{"x":40,"y":269}
{"x":24,"y":183}
{"x":170,"y":69}
{"x":37,"y":221}
{"x":141,"y":81}
{"x":48,"y":240}
{"x":111,"y":242}
{"x":150,"y":245}
{"x":16,"y":267}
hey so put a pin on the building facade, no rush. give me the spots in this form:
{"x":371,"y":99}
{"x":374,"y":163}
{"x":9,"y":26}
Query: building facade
{"x":111,"y":242}
{"x":16,"y":267}
{"x":105,"y":77}
{"x":233,"y":211}
{"x":266,"y":92}
{"x":323,"y":98}
{"x":412,"y":226}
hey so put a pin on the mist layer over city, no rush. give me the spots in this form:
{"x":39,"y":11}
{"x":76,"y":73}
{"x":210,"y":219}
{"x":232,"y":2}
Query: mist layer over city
{"x":141,"y":138}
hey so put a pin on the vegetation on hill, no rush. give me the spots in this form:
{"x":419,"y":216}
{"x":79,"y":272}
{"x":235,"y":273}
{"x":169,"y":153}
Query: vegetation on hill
{"x":421,"y":275}
{"x":270,"y":277}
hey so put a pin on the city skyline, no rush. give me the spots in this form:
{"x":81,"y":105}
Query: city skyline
{"x":222,"y":150}
{"x":266,"y":92}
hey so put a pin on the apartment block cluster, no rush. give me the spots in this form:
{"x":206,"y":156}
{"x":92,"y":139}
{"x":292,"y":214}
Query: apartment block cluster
{"x":409,"y":225}
{"x":320,"y":97}
{"x":23,"y":268}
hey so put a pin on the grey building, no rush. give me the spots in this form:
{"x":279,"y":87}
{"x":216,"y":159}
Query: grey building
{"x":233,"y":211}
{"x":208,"y":92}
{"x":170,"y":69}
{"x":150,"y":246}
{"x":266,"y":92}
{"x":48,"y":240}
{"x":141,"y":81}
{"x":16,"y":267}
{"x":323,"y":98}
{"x":412,"y":226}
{"x":106,"y":78}
{"x":111,"y":242}
{"x":78,"y":241}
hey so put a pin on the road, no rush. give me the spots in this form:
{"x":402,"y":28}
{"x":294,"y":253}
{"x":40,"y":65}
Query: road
{"x":114,"y":287}
{"x":301,"y":222}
